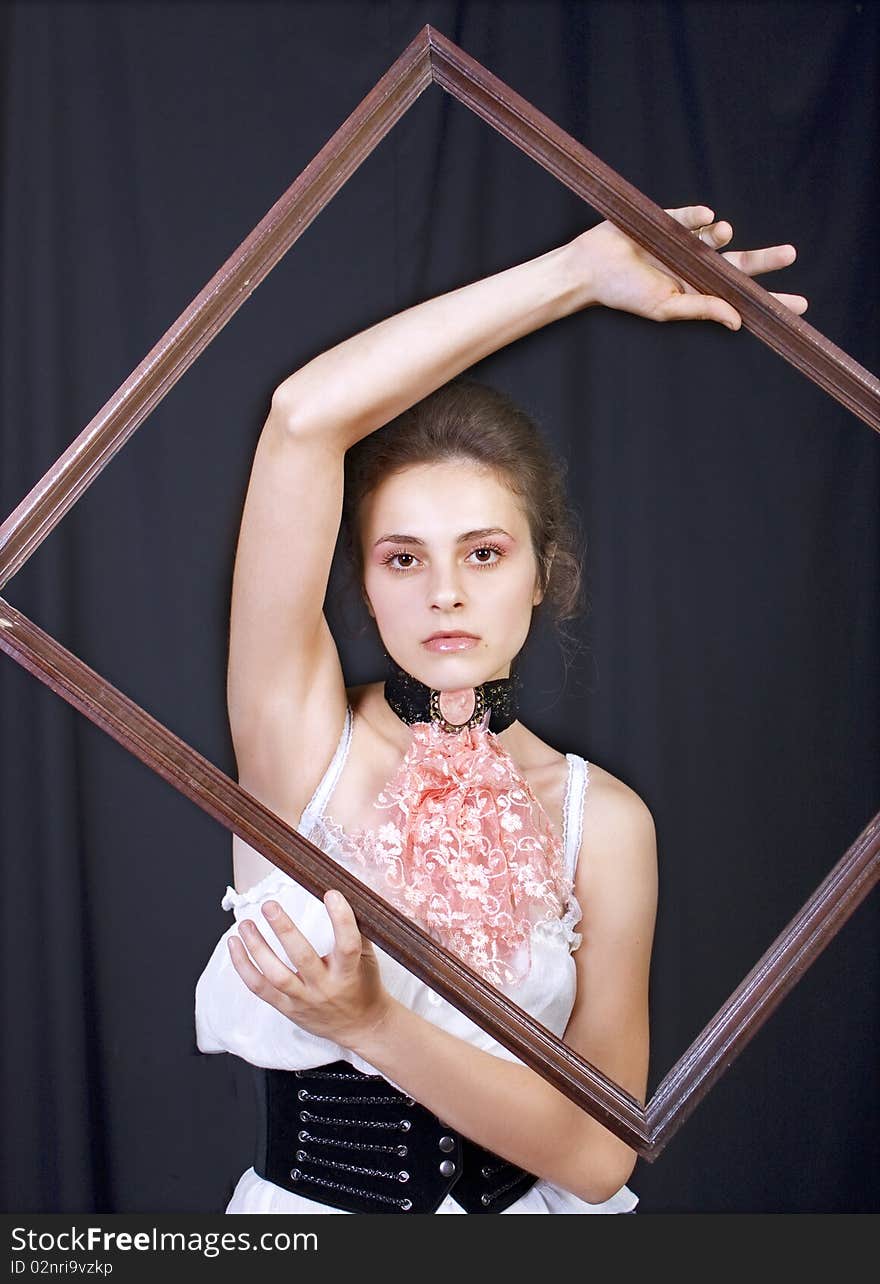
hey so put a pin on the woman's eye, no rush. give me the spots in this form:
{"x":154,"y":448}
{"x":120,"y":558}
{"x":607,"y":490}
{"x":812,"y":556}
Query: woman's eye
{"x":490,"y":551}
{"x":393,"y":557}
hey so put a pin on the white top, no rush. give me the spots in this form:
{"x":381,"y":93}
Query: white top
{"x":229,"y":1018}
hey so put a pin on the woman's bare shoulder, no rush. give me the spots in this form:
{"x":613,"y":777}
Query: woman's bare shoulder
{"x":617,"y":823}
{"x":618,"y":854}
{"x":609,"y":791}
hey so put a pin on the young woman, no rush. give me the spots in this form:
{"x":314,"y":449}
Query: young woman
{"x":377,"y":1094}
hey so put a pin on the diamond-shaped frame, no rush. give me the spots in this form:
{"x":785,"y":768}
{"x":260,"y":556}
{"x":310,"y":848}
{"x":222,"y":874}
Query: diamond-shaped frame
{"x":432,"y":59}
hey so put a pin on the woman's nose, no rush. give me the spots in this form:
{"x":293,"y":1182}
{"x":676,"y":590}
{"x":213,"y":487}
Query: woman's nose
{"x":445,"y":589}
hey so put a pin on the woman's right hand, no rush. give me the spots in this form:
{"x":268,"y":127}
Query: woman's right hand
{"x":628,"y":278}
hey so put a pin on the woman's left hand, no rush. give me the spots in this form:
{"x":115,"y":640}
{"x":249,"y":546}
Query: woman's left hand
{"x":338,"y":997}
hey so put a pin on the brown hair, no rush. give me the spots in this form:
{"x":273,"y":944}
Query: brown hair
{"x":468,"y":420}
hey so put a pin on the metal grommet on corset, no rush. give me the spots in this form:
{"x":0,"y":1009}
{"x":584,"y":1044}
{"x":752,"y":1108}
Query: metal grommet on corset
{"x":332,"y":1135}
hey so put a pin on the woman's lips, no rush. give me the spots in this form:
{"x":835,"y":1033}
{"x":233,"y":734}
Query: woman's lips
{"x":457,"y":643}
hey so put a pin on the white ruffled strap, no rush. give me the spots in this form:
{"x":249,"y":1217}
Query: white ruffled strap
{"x":327,"y":784}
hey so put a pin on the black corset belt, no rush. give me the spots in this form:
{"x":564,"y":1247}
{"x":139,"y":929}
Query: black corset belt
{"x":356,"y":1142}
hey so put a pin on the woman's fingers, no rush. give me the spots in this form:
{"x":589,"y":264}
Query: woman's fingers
{"x":298,"y":950}
{"x":700,"y":219}
{"x":796,"y":302}
{"x":753,"y":262}
{"x":255,"y":979}
{"x":693,"y":216}
{"x":698,"y":307}
{"x":349,"y":943}
{"x":307,"y":965}
{"x":706,"y":307}
{"x":716,"y":234}
{"x":297,"y":947}
{"x":334,"y":997}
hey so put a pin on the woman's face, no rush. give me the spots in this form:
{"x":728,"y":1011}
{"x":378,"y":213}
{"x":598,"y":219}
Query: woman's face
{"x":447,"y":549}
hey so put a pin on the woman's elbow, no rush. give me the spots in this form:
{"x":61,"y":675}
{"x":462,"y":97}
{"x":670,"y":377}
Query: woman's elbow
{"x":285,"y":409}
{"x":605,"y":1174}
{"x":600,"y":1191}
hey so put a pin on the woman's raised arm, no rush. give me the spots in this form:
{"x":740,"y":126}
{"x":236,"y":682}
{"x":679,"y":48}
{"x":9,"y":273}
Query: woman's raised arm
{"x":360,"y":384}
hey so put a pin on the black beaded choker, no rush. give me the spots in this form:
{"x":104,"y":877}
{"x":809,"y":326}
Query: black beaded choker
{"x":414,"y":701}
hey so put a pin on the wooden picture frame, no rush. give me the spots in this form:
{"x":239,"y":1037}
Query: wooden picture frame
{"x":431,"y":59}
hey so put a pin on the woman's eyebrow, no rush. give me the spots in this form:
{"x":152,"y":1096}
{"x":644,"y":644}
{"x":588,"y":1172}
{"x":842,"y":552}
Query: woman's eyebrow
{"x":462,"y":539}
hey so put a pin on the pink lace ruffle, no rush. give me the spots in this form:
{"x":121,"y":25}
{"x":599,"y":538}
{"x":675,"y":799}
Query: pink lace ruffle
{"x":467,"y":850}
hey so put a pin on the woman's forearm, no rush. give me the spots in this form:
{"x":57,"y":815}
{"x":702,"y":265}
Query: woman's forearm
{"x":365,"y":381}
{"x":503,"y":1106}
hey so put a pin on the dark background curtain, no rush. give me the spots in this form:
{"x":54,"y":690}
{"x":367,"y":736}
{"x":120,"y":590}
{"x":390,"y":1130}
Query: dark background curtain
{"x":727,"y":667}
